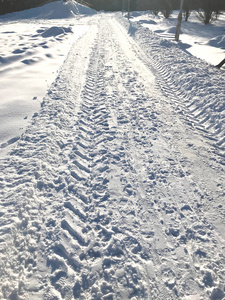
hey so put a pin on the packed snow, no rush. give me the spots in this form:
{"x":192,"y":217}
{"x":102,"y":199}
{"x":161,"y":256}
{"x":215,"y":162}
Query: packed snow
{"x":112,"y":173}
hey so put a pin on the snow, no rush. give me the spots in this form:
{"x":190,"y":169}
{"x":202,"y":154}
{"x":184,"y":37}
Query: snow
{"x":114,"y":188}
{"x":195,"y":37}
{"x":35,"y":44}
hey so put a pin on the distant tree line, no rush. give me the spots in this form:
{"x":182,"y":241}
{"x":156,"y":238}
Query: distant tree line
{"x":208,"y":10}
{"x":155,"y":5}
{"x":7,"y":6}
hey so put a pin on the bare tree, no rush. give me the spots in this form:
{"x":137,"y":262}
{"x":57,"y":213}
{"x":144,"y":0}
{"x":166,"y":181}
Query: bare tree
{"x":208,"y":11}
{"x":166,"y":8}
{"x":187,"y":8}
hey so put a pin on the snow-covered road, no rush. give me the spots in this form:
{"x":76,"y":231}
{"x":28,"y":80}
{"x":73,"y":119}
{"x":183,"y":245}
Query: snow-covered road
{"x":115,"y":190}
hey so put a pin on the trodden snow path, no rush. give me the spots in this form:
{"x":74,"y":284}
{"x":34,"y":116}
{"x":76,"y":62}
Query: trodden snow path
{"x":110,"y":194}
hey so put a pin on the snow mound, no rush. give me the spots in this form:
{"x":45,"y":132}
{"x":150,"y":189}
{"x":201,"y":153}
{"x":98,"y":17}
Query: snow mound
{"x":172,"y":30}
{"x":55,"y":30}
{"x":147,"y":22}
{"x":218,"y":41}
{"x":53,"y":10}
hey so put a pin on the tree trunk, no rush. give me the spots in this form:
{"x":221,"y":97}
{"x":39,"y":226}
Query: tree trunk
{"x":220,"y":64}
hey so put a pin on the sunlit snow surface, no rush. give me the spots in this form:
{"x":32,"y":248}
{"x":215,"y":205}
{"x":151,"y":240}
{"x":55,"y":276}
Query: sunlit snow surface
{"x":114,"y":189}
{"x":34,"y":43}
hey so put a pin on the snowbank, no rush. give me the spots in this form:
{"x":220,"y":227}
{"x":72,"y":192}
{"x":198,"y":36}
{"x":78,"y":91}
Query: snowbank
{"x":218,"y":41}
{"x":205,"y":42}
{"x":199,"y":86}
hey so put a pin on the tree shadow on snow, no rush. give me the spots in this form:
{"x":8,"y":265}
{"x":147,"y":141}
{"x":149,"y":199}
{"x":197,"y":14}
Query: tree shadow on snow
{"x":131,"y":30}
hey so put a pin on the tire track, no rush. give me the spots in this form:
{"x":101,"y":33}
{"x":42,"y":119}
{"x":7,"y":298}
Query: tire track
{"x":120,"y":215}
{"x":199,"y":111}
{"x":34,"y":179}
{"x":200,"y":227}
{"x":106,"y":255}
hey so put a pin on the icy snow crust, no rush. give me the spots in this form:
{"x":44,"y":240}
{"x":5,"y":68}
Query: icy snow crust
{"x":116,"y":188}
